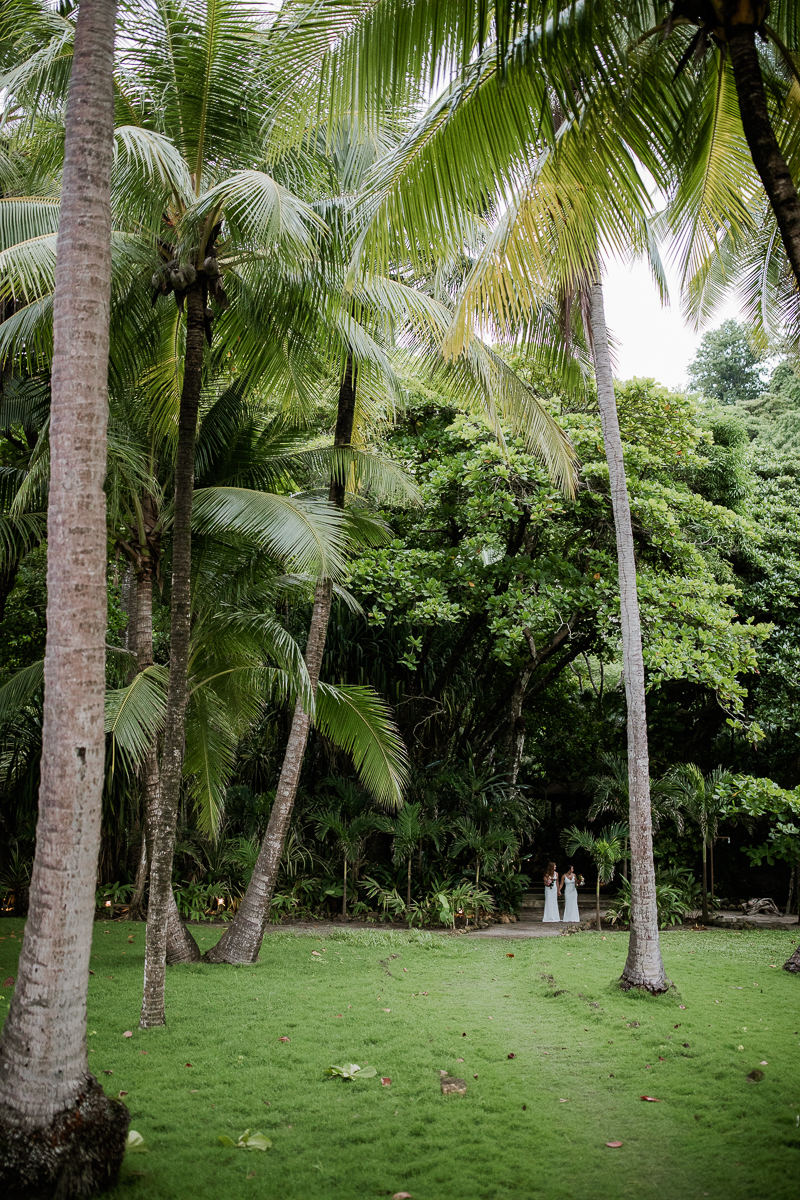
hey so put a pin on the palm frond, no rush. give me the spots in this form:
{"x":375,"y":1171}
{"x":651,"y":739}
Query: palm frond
{"x":357,"y":721}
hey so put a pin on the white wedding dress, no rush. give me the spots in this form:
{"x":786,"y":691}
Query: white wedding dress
{"x":571,"y":899}
{"x":551,"y":903}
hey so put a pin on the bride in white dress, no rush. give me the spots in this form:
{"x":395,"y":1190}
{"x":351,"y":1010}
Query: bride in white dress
{"x":551,"y":894}
{"x":569,"y":883}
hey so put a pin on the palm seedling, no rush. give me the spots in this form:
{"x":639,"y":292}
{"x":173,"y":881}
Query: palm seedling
{"x":605,"y":849}
{"x":700,"y":796}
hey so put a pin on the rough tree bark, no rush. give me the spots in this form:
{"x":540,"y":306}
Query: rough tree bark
{"x":59,"y":1133}
{"x":644,"y":967}
{"x":241,"y":941}
{"x":793,"y":964}
{"x":165,"y":808}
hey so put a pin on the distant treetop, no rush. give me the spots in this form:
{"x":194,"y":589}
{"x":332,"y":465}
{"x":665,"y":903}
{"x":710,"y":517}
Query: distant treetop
{"x":726,"y":366}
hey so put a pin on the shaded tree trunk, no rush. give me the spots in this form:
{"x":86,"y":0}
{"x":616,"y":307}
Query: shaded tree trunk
{"x":597,"y":908}
{"x":644,"y":967}
{"x":163,"y":815}
{"x":241,"y":941}
{"x":59,"y":1133}
{"x":344,"y":892}
{"x":764,"y":149}
{"x":705,"y":885}
{"x":408,"y":886}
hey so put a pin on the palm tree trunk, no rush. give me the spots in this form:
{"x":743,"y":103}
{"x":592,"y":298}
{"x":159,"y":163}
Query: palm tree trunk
{"x":344,"y":893}
{"x":597,"y":909}
{"x":788,"y":908}
{"x":764,"y":149}
{"x":241,"y":941}
{"x":59,"y":1132}
{"x":408,"y":886}
{"x":705,"y":886}
{"x":711,"y":868}
{"x":644,"y":967}
{"x":165,"y":808}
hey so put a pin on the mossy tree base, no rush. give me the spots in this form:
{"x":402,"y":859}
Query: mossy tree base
{"x":77,"y":1155}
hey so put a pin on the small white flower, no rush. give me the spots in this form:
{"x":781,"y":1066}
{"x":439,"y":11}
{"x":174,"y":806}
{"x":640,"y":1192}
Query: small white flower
{"x":740,"y":1047}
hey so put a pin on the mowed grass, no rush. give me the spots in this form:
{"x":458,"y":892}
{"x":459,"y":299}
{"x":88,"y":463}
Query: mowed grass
{"x":531,"y":1126}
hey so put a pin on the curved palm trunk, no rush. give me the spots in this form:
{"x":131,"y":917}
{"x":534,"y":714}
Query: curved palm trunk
{"x":644,"y":967}
{"x":764,"y":149}
{"x":241,"y":941}
{"x":165,"y":806}
{"x":59,"y":1132}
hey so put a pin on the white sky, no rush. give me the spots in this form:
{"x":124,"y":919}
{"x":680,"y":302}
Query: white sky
{"x":651,"y":340}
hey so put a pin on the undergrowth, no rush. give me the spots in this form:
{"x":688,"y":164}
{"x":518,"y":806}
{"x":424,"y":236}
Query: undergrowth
{"x":555,"y":1057}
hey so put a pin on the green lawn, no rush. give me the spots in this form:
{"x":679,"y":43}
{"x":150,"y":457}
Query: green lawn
{"x":530,"y":1126}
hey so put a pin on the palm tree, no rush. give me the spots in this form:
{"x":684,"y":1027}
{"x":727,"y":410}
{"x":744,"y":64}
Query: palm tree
{"x":59,"y":1130}
{"x":700,"y":797}
{"x":489,"y":846}
{"x":350,"y":835}
{"x":605,"y":849}
{"x":731,"y":28}
{"x":410,"y":829}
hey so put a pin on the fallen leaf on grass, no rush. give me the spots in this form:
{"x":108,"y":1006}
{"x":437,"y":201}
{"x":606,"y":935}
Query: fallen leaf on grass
{"x":660,"y":1059}
{"x":284,"y":1039}
{"x":402,"y":1196}
{"x":385,"y":1081}
{"x":193,"y":1091}
{"x":250,"y":1175}
{"x":144,"y":1051}
{"x":681,"y":1006}
{"x":108,"y":1072}
{"x":352,"y":1071}
{"x":316,"y":954}
{"x":121,"y":1094}
{"x":614,"y":1145}
{"x":9,"y":982}
{"x":135,"y":1141}
{"x":509,"y":956}
{"x":338,"y":1015}
{"x":389,"y":1010}
{"x":511,"y":1056}
{"x":128,"y":1033}
{"x":188,"y":1064}
{"x":247,"y":1141}
{"x":459,"y":1060}
{"x":651,"y":1099}
{"x":91,"y":972}
{"x":764,"y":1063}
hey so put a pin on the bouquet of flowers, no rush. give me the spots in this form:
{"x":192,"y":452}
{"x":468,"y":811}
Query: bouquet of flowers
{"x":579,"y":881}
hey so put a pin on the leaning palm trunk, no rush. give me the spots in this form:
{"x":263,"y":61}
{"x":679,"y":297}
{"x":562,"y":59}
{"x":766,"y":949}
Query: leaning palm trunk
{"x":241,"y":941}
{"x":163,"y":815}
{"x":764,"y":148}
{"x":644,"y":967}
{"x":59,"y":1133}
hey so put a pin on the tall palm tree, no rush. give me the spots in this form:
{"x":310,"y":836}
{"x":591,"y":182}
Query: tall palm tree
{"x":700,"y":797}
{"x":605,"y":849}
{"x":60,"y":1132}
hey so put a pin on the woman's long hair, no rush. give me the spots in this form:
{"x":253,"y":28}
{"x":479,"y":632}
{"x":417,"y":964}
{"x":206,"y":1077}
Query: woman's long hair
{"x":551,"y":870}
